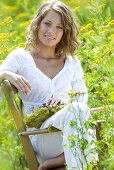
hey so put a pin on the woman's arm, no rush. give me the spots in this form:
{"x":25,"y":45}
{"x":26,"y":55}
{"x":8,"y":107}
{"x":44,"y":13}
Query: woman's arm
{"x":78,"y":83}
{"x":10,"y":70}
{"x":18,"y":81}
{"x":79,"y":86}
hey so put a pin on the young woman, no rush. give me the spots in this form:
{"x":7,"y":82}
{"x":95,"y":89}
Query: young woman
{"x":43,"y":72}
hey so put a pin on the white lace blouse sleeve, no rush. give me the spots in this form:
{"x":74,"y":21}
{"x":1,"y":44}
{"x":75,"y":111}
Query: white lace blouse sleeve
{"x":78,"y":83}
{"x":11,"y":63}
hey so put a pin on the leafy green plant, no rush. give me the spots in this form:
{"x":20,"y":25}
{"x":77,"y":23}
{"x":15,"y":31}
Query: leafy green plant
{"x":40,"y":114}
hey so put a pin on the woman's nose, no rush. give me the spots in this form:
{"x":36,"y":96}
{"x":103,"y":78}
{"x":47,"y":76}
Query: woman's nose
{"x":52,"y":30}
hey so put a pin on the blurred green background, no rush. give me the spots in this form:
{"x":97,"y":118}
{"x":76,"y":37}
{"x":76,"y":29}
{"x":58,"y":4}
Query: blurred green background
{"x":95,"y":20}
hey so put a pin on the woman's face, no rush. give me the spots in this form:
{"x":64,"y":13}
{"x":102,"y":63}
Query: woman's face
{"x":50,"y":29}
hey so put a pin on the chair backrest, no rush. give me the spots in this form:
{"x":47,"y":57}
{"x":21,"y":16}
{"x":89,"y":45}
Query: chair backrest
{"x":17,"y":116}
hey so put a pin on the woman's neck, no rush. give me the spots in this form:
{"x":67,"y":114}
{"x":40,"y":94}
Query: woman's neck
{"x":46,"y":53}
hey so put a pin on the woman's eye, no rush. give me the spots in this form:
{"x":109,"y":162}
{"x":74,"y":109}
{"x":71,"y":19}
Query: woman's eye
{"x":59,"y":27}
{"x":47,"y":23}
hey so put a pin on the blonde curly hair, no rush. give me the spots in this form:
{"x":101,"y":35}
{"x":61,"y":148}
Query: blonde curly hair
{"x":69,"y":42}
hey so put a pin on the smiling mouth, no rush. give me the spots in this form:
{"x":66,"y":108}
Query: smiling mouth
{"x":50,"y":38}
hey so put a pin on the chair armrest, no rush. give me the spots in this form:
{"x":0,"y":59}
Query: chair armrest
{"x":98,"y":109}
{"x":42,"y":131}
{"x":34,"y":132}
{"x":14,"y":89}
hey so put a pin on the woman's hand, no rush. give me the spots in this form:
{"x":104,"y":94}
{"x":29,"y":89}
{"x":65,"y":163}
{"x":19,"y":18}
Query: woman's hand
{"x":54,"y":102}
{"x":18,"y":81}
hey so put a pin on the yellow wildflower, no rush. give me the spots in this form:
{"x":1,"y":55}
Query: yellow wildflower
{"x":85,"y":27}
{"x":88,"y":25}
{"x":5,"y":36}
{"x":10,"y":8}
{"x":24,"y":24}
{"x":111,"y":22}
{"x":111,"y":36}
{"x":75,"y":9}
{"x":102,"y":27}
{"x":91,"y":32}
{"x":21,"y":15}
{"x":6,"y":21}
{"x":22,"y":45}
{"x":107,"y":26}
{"x":96,"y":23}
{"x":103,"y":46}
{"x":82,"y":29}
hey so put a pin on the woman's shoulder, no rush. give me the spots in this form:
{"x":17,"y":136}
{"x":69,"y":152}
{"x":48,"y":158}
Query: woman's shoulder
{"x":18,"y":51}
{"x":75,"y":65}
{"x":73,"y":60}
{"x":19,"y":54}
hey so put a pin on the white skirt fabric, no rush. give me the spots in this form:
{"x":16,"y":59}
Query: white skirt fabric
{"x":51,"y":145}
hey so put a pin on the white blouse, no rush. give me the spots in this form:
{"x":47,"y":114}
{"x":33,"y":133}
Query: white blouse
{"x":71,"y":77}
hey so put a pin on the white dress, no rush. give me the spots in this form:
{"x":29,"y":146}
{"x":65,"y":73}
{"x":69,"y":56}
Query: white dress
{"x":69,"y":78}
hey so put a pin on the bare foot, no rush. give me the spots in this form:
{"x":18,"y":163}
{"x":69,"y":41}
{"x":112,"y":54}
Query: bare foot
{"x":53,"y":163}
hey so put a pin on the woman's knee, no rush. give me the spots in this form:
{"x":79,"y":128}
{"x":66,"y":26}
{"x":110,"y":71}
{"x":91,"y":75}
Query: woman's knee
{"x":78,"y":109}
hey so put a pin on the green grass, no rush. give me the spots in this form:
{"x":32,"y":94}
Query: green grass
{"x":5,"y":161}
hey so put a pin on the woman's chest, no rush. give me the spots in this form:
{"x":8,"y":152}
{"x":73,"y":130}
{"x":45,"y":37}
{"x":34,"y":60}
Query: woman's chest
{"x":37,"y":78}
{"x":49,"y":67}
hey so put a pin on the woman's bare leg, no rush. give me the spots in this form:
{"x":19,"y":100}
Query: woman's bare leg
{"x":59,"y":161}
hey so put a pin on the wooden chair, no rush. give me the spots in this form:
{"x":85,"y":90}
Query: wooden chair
{"x":9,"y":92}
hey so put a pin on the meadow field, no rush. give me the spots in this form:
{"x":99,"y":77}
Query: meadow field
{"x":95,"y":19}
